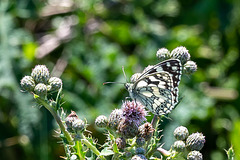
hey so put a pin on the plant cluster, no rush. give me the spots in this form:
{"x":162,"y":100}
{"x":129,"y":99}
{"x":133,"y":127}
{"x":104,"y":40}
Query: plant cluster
{"x":129,"y":135}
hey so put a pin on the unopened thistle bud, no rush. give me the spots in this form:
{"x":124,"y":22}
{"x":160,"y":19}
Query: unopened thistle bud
{"x":115,"y":118}
{"x":190,"y":67}
{"x":146,"y":131}
{"x":40,"y":74}
{"x":179,"y":146}
{"x":163,"y":54}
{"x":194,"y":155}
{"x":127,"y":129}
{"x":28,"y":83}
{"x":134,"y":77}
{"x":195,"y":141}
{"x":180,"y":53}
{"x":140,"y":150}
{"x":139,"y":157}
{"x":55,"y":83}
{"x":181,"y":133}
{"x":140,"y":141}
{"x":69,"y":120}
{"x":121,"y":143}
{"x":78,"y":125}
{"x":101,"y":121}
{"x":40,"y":90}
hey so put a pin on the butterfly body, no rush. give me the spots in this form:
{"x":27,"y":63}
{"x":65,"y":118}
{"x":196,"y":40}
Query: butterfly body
{"x":157,"y":87}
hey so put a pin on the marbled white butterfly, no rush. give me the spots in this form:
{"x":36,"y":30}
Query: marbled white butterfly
{"x":157,"y":87}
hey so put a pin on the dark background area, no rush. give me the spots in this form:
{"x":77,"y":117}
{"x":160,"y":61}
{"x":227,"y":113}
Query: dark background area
{"x":86,"y":43}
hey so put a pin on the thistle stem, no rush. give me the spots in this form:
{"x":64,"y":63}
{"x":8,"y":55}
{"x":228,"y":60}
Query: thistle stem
{"x":57,"y":118}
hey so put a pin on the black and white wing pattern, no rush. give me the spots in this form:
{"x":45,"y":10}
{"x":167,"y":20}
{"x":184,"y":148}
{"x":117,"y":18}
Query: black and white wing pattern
{"x":157,"y":88}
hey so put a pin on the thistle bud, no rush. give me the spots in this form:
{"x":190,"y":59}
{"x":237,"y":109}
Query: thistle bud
{"x":194,"y":155}
{"x":55,"y":83}
{"x":181,"y":133}
{"x":179,"y":146}
{"x":146,"y":131}
{"x":101,"y":121}
{"x":140,"y":141}
{"x":28,"y":83}
{"x":180,"y":53}
{"x":140,"y":150}
{"x":195,"y":141}
{"x":78,"y":125}
{"x":121,"y":143}
{"x":40,"y":74}
{"x":127,"y":129}
{"x":134,"y":77}
{"x":115,"y":118}
{"x":69,"y":120}
{"x":190,"y":67}
{"x":40,"y":90}
{"x":139,"y":157}
{"x":163,"y":54}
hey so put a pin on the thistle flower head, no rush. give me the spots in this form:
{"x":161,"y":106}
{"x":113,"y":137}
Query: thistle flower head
{"x":115,"y":118}
{"x":194,"y":155}
{"x":134,"y":112}
{"x":163,"y":54}
{"x":40,"y":74}
{"x":134,"y":77}
{"x":27,"y":83}
{"x":180,"y":53}
{"x":101,"y":121}
{"x":190,"y":67}
{"x":121,"y":143}
{"x":181,"y":133}
{"x":179,"y":146}
{"x":55,"y":83}
{"x":127,"y":129}
{"x":146,"y":131}
{"x":40,"y":90}
{"x":195,"y":141}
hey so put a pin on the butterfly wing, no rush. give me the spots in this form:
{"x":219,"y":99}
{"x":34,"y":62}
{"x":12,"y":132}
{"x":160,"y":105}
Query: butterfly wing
{"x":157,"y":88}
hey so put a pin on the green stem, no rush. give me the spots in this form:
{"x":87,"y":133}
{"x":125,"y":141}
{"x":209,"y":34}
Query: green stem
{"x":79,"y":150}
{"x":90,"y":146}
{"x":57,"y":118}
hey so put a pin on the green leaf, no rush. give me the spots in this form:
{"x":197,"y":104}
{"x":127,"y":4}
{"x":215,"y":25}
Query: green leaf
{"x":106,"y":152}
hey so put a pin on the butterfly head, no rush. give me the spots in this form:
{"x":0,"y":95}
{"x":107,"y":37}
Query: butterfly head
{"x":128,"y":86}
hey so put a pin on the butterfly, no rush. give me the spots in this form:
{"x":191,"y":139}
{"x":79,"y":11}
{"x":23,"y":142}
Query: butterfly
{"x":157,"y":87}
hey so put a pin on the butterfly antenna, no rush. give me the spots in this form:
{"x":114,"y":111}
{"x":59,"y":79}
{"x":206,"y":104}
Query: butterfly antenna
{"x":124,"y":73}
{"x":112,"y":82}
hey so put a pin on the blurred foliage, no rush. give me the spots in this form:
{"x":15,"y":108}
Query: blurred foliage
{"x":86,"y":42}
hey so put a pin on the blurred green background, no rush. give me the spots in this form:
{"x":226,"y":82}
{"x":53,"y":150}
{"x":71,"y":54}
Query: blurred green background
{"x":86,"y":42}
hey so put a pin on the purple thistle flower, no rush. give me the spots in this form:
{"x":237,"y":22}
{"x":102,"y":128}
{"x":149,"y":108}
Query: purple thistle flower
{"x":134,"y":112}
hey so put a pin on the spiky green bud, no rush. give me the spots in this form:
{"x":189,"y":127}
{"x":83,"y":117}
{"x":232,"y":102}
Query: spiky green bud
{"x":55,"y":83}
{"x":163,"y":54}
{"x":179,"y":146}
{"x":181,"y":133}
{"x":101,"y":121}
{"x":28,"y":83}
{"x":140,"y":150}
{"x":115,"y":118}
{"x":121,"y":143}
{"x":78,"y":125}
{"x":194,"y":155}
{"x":140,"y":141}
{"x":180,"y":53}
{"x":40,"y":90}
{"x":40,"y":74}
{"x":195,"y":141}
{"x":190,"y":67}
